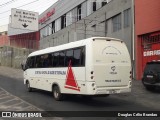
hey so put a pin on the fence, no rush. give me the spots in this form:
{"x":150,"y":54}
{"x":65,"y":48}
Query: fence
{"x":13,"y":57}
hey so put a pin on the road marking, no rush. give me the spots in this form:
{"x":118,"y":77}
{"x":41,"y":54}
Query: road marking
{"x":2,"y":95}
{"x":5,"y":97}
{"x":2,"y":92}
{"x":25,"y":108}
{"x":14,"y":105}
{"x":38,"y":109}
{"x":8,"y":101}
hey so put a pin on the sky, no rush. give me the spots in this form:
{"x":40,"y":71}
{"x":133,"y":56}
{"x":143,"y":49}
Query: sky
{"x":31,"y":5}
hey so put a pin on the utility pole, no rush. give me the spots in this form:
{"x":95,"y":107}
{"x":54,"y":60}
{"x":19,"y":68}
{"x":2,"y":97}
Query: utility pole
{"x":133,"y":38}
{"x":133,"y":30}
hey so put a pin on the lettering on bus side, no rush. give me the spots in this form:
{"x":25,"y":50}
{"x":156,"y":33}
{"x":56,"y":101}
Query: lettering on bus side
{"x":112,"y":80}
{"x":51,"y":72}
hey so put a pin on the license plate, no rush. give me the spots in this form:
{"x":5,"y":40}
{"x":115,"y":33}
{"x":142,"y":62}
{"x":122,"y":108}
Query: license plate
{"x":113,"y":91}
{"x":149,"y":76}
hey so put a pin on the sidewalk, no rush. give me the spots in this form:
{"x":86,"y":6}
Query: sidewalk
{"x":11,"y":72}
{"x":9,"y":102}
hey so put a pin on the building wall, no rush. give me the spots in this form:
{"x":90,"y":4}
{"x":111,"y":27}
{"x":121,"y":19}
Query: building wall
{"x":146,"y":24}
{"x":147,"y":16}
{"x":26,"y":40}
{"x":98,"y":23}
{"x":4,"y":40}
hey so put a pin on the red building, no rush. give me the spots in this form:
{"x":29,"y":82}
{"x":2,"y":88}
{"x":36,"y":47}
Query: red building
{"x":147,"y":29}
{"x":4,"y":40}
{"x":26,"y":40}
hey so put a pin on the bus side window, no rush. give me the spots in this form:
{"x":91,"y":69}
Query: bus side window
{"x":50,"y":60}
{"x":45,"y":61}
{"x":61,"y":58}
{"x":56,"y":59}
{"x":38,"y":63}
{"x":76,"y":57}
{"x":30,"y":62}
{"x":41,"y":61}
{"x":83,"y":56}
{"x":69,"y":57}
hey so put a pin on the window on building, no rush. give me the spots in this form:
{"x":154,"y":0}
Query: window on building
{"x":79,"y":12}
{"x":127,"y":18}
{"x":104,"y":3}
{"x":63,"y":21}
{"x":94,"y":6}
{"x":116,"y":21}
{"x":42,"y":33}
{"x":53,"y":27}
{"x":50,"y":29}
{"x":58,"y":24}
{"x":69,"y":18}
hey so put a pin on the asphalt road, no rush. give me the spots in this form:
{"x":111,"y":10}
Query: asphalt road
{"x":138,"y":100}
{"x":45,"y":101}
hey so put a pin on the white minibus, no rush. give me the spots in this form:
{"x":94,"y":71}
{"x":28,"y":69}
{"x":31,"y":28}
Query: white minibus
{"x":96,"y":66}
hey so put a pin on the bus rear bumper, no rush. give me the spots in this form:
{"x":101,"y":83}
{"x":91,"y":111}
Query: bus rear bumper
{"x":112,"y":90}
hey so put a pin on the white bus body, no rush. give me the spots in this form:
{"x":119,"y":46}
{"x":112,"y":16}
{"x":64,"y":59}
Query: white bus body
{"x":94,"y":66}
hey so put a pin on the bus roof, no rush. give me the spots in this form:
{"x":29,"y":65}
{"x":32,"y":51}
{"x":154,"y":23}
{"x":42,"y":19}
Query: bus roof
{"x":69,"y":45}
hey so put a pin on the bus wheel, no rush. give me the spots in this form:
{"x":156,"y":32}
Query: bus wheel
{"x":57,"y":94}
{"x":29,"y":89}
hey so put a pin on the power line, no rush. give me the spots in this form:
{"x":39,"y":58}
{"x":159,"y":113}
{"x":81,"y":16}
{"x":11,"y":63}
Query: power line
{"x":3,"y":25}
{"x":5,"y":11}
{"x":4,"y":4}
{"x":44,"y":6}
{"x":6,"y":17}
{"x":27,"y":4}
{"x":19,"y":6}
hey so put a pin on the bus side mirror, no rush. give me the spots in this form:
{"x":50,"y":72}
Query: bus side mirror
{"x":23,"y":67}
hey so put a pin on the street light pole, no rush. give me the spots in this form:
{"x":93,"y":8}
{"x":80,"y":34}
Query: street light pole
{"x":133,"y":38}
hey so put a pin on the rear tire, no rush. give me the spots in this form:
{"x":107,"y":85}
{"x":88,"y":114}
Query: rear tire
{"x":29,"y":89}
{"x":58,"y":96}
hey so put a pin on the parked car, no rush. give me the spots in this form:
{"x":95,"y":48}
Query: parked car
{"x":151,"y":75}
